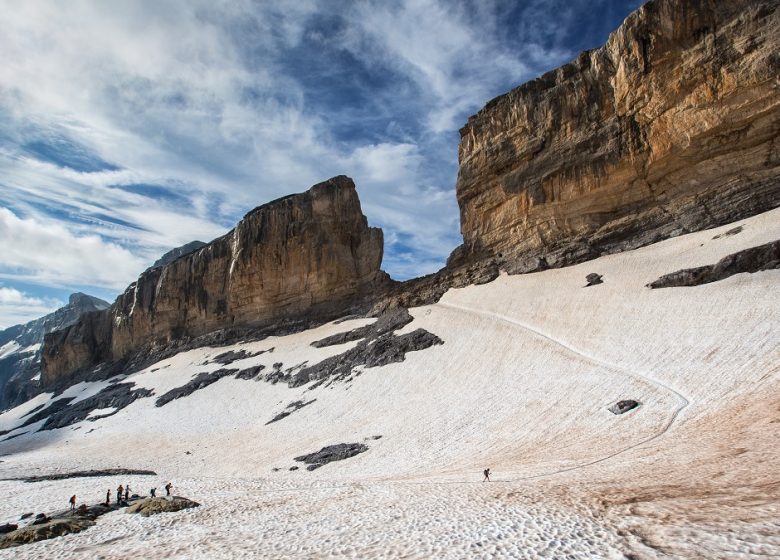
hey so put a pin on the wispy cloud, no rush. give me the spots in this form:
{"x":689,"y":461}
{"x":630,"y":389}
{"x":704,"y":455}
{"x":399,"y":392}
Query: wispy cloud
{"x":128,"y":128}
{"x":17,"y":307}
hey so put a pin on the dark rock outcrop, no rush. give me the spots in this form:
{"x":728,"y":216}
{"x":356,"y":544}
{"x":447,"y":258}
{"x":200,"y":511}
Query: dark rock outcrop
{"x":755,"y":259}
{"x":153,"y":506}
{"x":671,"y":127}
{"x":66,"y":522}
{"x":305,"y":258}
{"x":593,"y":279}
{"x":231,"y":356}
{"x":621,"y":407}
{"x":116,"y":396}
{"x":20,"y":367}
{"x":85,"y":474}
{"x":200,"y":381}
{"x":385,"y":323}
{"x":331,"y":453}
{"x":289,"y":409}
{"x":250,"y":372}
{"x":385,"y":349}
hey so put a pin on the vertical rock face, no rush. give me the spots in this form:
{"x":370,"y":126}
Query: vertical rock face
{"x":307,"y":256}
{"x":20,"y":354}
{"x":670,"y":127}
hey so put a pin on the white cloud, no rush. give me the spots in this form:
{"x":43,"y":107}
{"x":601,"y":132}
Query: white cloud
{"x":17,"y":307}
{"x":49,"y":253}
{"x":204,"y":99}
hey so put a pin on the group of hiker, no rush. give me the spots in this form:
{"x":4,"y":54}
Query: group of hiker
{"x":123,"y":494}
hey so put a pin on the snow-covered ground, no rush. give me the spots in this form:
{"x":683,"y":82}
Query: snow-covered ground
{"x":521,"y":384}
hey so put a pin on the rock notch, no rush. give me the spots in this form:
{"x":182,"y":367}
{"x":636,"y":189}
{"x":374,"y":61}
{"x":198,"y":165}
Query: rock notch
{"x":304,"y":258}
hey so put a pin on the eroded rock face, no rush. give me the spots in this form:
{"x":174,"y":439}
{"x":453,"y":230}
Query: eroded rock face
{"x":309,"y":256}
{"x":670,"y":127}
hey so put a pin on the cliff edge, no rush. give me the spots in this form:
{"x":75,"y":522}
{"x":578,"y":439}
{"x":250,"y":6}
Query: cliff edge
{"x":670,"y":127}
{"x":303,"y":258}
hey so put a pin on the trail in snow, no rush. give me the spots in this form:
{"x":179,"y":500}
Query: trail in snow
{"x":684,"y":402}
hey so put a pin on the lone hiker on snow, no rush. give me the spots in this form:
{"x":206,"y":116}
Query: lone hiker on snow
{"x":153,"y":492}
{"x":168,"y":489}
{"x":127,"y":492}
{"x":486,"y":472}
{"x":73,"y":502}
{"x":119,"y":492}
{"x":108,"y":496}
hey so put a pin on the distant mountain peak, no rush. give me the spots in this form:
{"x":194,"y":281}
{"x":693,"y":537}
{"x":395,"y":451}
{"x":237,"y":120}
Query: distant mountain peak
{"x":80,"y":298}
{"x":174,"y":254}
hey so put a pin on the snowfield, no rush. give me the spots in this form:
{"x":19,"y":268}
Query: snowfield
{"x":522,"y":384}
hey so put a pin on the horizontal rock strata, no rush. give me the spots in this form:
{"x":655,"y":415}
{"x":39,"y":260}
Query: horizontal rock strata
{"x":670,"y":127}
{"x":308,"y":257}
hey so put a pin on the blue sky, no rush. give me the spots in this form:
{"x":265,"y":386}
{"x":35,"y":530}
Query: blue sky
{"x":129,"y":128}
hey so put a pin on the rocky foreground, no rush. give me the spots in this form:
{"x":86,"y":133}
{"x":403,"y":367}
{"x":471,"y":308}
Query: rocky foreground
{"x":43,"y":527}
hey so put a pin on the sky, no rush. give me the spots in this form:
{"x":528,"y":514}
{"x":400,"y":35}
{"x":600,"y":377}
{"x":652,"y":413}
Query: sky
{"x":129,"y":128}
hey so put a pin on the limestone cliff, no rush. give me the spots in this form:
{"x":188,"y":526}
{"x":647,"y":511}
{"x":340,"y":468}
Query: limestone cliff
{"x":670,"y":127}
{"x":305,"y":257}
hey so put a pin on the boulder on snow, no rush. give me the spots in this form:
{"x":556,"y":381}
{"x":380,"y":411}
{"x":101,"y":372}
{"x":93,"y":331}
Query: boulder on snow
{"x":621,"y":407}
{"x":593,"y":279}
{"x":7,"y":528}
{"x":152,"y":506}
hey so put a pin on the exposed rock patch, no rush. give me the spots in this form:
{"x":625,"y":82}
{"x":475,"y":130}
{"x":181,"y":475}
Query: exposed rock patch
{"x":593,"y":279}
{"x":200,"y":381}
{"x":386,"y":349}
{"x":250,"y":372}
{"x":755,"y":259}
{"x":331,"y":453}
{"x":45,"y":411}
{"x":387,"y":322}
{"x":232,"y":355}
{"x":292,"y":407}
{"x":85,"y":474}
{"x":153,"y":506}
{"x":621,"y":407}
{"x":732,"y":231}
{"x":116,"y":396}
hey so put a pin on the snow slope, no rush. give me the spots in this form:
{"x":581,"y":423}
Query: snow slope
{"x":521,"y":384}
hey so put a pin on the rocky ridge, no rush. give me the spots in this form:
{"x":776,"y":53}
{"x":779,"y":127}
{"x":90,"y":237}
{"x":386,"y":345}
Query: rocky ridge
{"x":20,"y":364}
{"x":301,"y":259}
